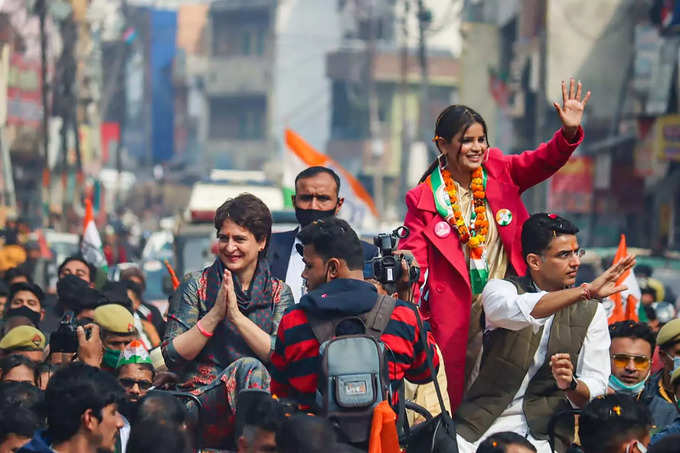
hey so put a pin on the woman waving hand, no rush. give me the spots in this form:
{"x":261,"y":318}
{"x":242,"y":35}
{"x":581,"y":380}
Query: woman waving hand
{"x":466,"y":218}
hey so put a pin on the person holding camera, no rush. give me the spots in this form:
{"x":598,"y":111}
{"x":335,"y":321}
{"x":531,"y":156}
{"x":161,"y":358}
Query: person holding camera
{"x":465,"y":219}
{"x":333,"y":258}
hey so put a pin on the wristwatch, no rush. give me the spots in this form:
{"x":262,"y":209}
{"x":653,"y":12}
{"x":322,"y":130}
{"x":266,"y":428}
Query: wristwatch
{"x":573,"y":384}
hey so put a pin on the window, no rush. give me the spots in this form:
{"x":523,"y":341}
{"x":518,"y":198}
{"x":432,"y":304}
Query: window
{"x":246,"y":42}
{"x":242,"y":33}
{"x":238,"y":118}
{"x":260,"y":39}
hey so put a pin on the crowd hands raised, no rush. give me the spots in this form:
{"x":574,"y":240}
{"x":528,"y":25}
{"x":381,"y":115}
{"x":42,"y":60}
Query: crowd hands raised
{"x":300,"y":341}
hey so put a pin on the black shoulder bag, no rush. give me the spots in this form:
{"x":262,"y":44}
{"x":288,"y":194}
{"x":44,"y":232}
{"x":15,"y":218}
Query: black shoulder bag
{"x":436,"y":435}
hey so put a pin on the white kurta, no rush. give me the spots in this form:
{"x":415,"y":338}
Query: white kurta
{"x":504,"y":308}
{"x":124,"y":433}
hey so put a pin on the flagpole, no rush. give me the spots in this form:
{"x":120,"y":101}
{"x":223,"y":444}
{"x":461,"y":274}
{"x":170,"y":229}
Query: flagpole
{"x":377,"y":147}
{"x":41,"y":6}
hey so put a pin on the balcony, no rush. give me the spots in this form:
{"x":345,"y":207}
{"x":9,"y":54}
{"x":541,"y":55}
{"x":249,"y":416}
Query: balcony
{"x":239,"y":5}
{"x":239,"y":154}
{"x":238,"y":75}
{"x":349,"y":65}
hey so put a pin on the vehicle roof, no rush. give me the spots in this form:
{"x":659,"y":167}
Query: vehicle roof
{"x":56,"y":236}
{"x":206,"y":196}
{"x":196,"y":229}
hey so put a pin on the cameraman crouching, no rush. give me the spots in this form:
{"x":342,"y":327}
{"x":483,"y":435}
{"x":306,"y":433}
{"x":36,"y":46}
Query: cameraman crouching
{"x":334,"y":276}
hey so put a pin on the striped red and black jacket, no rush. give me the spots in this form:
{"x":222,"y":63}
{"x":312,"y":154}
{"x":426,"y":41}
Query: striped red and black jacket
{"x":296,"y":361}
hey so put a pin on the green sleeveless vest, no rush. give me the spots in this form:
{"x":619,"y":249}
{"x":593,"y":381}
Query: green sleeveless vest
{"x":506,"y":360}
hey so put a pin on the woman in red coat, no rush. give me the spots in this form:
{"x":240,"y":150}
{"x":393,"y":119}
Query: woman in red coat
{"x":465,"y":221}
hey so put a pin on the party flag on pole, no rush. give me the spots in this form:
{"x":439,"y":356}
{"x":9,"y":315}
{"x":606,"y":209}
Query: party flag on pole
{"x":91,"y":246}
{"x":626,"y":303}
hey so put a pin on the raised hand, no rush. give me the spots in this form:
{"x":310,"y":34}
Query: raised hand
{"x":605,"y":285}
{"x":571,"y":110}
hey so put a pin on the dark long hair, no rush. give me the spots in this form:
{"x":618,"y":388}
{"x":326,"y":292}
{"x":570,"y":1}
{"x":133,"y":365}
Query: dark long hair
{"x":451,"y":121}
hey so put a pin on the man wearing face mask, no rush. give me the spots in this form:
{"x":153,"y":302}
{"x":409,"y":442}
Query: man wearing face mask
{"x":630,"y":352}
{"x":317,"y":196}
{"x":658,"y":394}
{"x":25,"y":300}
{"x":117,"y":331}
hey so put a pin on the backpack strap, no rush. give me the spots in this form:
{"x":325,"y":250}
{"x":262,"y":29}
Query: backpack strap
{"x":324,"y":329}
{"x":377,"y":318}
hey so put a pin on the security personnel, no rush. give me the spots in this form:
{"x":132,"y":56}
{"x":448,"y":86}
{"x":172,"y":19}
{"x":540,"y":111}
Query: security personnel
{"x":658,"y":394}
{"x":117,"y":327}
{"x":25,"y":340}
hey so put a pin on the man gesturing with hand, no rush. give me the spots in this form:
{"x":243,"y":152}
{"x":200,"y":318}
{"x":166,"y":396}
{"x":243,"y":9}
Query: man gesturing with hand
{"x":546,"y":341}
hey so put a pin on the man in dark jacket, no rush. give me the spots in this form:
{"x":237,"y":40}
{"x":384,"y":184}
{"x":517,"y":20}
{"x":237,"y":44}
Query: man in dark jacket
{"x":671,"y":428}
{"x":317,"y":196}
{"x":333,"y":272}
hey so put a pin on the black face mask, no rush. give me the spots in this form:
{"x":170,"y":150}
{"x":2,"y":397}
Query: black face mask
{"x":307,"y":216}
{"x":26,"y":312}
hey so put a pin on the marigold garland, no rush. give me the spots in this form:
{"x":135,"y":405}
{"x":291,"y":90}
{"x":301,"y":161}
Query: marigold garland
{"x":475,"y":236}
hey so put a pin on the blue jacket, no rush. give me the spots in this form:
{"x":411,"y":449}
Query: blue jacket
{"x":39,"y":444}
{"x":663,"y":412}
{"x":673,"y":428}
{"x":281,"y":245}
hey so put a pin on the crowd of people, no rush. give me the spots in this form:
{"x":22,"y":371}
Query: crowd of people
{"x":476,"y":340}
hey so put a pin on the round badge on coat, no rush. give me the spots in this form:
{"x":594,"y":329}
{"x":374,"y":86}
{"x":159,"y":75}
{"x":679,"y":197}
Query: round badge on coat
{"x":504,"y":217}
{"x":442,"y":229}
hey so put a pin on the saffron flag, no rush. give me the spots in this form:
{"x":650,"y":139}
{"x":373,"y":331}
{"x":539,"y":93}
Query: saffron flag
{"x":91,"y":246}
{"x":384,"y":437}
{"x":626,"y":303}
{"x":358,"y":208}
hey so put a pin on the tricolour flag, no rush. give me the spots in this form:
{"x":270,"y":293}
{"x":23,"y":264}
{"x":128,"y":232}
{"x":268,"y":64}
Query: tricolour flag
{"x":358,"y":208}
{"x":91,"y":247}
{"x":626,"y":303}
